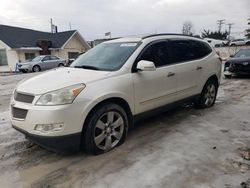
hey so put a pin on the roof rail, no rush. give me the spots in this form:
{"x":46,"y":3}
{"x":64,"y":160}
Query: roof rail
{"x":162,"y":34}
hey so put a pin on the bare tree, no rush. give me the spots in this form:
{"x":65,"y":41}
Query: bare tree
{"x":188,"y":28}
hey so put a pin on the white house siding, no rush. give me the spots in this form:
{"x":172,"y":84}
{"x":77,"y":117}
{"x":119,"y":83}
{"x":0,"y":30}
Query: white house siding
{"x":12,"y":58}
{"x":21,"y":54}
{"x":73,"y":45}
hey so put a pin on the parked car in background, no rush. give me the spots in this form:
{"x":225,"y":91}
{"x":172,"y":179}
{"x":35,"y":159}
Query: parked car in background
{"x":238,"y":42}
{"x":238,"y":64}
{"x":216,"y":42}
{"x":110,"y":85}
{"x":41,"y":63}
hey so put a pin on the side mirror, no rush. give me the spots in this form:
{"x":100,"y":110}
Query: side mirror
{"x":144,"y":65}
{"x":231,"y":56}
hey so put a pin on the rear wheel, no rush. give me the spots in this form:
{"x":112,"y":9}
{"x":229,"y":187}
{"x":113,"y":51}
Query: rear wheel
{"x":36,"y":68}
{"x":61,"y":65}
{"x":208,"y":95}
{"x":106,"y":129}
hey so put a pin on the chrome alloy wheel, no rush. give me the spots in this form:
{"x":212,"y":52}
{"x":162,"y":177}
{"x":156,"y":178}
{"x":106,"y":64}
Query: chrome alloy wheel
{"x":210,"y":95}
{"x":108,"y":130}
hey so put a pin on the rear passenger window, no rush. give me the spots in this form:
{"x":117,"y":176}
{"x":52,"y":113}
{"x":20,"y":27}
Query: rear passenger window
{"x":188,"y":50}
{"x":157,"y":53}
{"x":200,"y":49}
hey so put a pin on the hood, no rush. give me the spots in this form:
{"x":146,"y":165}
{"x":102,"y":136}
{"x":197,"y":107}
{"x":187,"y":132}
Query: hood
{"x":59,"y":78}
{"x":239,"y":59}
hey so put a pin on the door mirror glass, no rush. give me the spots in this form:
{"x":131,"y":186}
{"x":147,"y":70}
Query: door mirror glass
{"x":144,"y":65}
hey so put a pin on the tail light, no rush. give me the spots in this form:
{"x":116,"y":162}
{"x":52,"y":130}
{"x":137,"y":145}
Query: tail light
{"x":218,"y":53}
{"x":220,"y":59}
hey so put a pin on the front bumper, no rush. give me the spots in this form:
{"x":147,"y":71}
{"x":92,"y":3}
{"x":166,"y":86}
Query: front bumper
{"x":72,"y":116}
{"x":63,"y":144}
{"x":24,"y":67}
{"x":236,"y":69}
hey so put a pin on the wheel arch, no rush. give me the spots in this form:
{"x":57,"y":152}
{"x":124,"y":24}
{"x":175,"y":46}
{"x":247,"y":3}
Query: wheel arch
{"x":37,"y":66}
{"x":215,"y":78}
{"x":116,"y":100}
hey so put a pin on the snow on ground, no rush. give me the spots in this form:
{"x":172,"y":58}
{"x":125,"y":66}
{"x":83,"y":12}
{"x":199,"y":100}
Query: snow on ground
{"x":184,"y":147}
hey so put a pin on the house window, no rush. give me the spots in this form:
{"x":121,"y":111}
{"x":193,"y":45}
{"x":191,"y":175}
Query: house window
{"x":73,"y":55}
{"x":29,"y":56}
{"x":3,"y":58}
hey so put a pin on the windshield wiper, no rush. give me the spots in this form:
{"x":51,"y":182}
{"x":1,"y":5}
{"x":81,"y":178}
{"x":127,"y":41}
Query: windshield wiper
{"x":87,"y":67}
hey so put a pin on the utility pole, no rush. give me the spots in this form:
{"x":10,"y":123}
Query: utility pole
{"x":70,"y":26}
{"x":51,"y":25}
{"x":220,"y":23}
{"x":229,"y":28}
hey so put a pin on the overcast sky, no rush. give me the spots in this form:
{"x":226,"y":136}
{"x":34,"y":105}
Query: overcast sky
{"x":124,"y":17}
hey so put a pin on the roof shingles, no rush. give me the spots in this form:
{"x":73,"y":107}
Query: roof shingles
{"x":16,"y":37}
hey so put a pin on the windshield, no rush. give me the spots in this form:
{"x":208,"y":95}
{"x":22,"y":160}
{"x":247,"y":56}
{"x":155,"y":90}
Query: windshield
{"x":106,"y":56}
{"x":38,"y":58}
{"x":243,"y":53}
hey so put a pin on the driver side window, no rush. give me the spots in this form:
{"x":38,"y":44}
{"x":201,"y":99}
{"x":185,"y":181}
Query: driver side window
{"x":157,"y":53}
{"x":46,"y":58}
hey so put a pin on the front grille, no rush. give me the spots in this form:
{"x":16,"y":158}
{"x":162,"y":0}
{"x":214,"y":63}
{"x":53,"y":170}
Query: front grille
{"x":23,"y":97}
{"x":19,"y":113}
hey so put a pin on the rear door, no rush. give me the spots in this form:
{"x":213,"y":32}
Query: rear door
{"x":54,"y":61}
{"x":188,"y":68}
{"x":153,"y":89}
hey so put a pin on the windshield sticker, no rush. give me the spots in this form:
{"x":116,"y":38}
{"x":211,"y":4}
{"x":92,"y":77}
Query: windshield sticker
{"x":128,"y":44}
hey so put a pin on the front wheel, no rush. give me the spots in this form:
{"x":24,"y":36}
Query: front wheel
{"x":208,"y":95}
{"x":106,"y":129}
{"x":36,"y":68}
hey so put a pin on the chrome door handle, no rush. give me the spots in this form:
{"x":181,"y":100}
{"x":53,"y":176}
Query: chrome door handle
{"x":198,"y":68}
{"x":171,"y":74}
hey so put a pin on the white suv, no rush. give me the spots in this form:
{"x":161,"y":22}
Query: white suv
{"x":93,"y":103}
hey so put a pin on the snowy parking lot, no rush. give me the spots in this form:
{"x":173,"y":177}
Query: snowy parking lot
{"x":184,"y":147}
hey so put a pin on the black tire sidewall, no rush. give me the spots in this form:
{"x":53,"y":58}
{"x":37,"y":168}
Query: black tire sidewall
{"x":35,"y":67}
{"x":201,"y":101}
{"x":89,"y":128}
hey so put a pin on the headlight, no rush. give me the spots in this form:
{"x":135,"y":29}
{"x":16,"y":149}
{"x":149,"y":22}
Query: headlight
{"x":62,"y":96}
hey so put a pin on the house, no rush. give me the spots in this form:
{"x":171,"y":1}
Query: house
{"x":20,"y":44}
{"x":99,"y":41}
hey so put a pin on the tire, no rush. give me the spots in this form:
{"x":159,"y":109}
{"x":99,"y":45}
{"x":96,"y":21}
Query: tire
{"x":103,"y":133}
{"x":36,"y":68}
{"x":248,"y":43}
{"x":61,"y":65}
{"x":23,"y":71}
{"x":208,"y":95}
{"x":227,"y":76}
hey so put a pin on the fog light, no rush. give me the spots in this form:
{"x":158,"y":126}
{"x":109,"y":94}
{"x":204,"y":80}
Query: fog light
{"x":46,"y":128}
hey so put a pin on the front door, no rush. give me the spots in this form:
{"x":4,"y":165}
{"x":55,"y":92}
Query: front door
{"x":45,"y":63}
{"x":154,"y":88}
